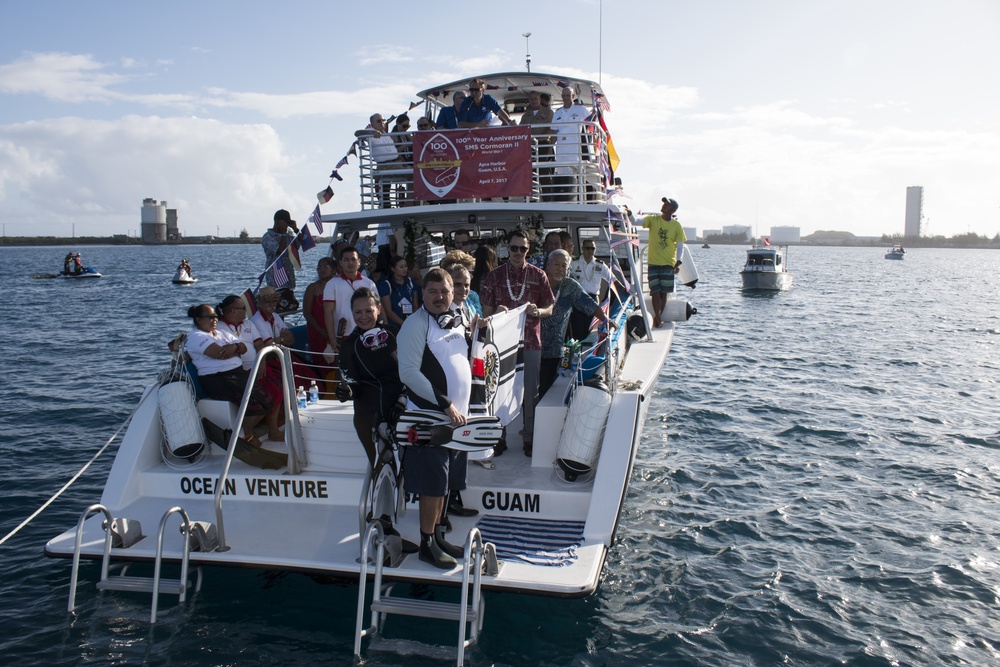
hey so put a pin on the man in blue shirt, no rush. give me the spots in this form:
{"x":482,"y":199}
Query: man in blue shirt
{"x":478,"y":107}
{"x":448,"y":116}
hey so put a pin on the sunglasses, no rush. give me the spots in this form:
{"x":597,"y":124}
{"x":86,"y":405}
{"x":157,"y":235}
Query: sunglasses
{"x":518,"y":248}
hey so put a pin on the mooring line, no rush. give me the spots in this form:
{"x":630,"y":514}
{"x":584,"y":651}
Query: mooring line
{"x":77,"y":475}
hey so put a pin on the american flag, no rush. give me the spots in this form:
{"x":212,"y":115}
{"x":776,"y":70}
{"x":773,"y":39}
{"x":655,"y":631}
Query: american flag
{"x":280,"y":276}
{"x":317,"y":219}
{"x":342,"y":163}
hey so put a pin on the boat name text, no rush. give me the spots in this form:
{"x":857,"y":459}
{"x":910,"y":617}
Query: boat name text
{"x":276,"y":488}
{"x":511,"y":502}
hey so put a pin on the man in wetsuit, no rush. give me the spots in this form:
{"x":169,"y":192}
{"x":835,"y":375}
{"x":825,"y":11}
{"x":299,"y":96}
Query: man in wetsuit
{"x":433,"y":353}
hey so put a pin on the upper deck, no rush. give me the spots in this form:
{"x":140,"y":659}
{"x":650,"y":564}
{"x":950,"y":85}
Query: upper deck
{"x":570,"y":162}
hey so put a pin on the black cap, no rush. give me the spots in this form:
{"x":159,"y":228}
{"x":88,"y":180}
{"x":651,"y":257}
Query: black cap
{"x":672,"y":202}
{"x":282,"y":214}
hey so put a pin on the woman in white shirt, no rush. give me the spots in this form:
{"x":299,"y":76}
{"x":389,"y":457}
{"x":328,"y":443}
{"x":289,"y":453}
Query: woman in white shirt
{"x":216,"y":355}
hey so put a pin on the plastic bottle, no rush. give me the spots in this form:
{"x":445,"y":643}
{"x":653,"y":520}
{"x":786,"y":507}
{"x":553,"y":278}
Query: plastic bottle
{"x":313,"y":392}
{"x":300,"y":395}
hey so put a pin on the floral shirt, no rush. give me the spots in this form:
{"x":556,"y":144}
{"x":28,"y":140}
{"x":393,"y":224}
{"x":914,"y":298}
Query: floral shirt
{"x":569,"y":295}
{"x":506,"y":286}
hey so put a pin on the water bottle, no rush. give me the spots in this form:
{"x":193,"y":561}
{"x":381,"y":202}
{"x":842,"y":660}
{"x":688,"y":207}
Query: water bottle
{"x":313,"y":392}
{"x":301,"y":396}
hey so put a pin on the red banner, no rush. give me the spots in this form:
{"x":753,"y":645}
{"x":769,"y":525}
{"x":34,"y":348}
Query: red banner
{"x":465,"y":164}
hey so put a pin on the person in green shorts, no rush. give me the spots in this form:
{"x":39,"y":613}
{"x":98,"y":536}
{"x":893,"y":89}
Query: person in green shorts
{"x":666,"y":239}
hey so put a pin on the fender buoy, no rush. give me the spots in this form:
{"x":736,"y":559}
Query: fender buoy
{"x":181,"y":422}
{"x":580,"y":443}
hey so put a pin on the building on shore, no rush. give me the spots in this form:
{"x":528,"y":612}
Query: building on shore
{"x":914,"y":211}
{"x":691,"y":233}
{"x":158,"y":223}
{"x":745,"y":231}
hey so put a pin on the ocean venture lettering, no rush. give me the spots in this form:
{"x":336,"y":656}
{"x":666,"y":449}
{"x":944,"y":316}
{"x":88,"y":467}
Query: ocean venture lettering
{"x":275,"y":488}
{"x":511,"y":502}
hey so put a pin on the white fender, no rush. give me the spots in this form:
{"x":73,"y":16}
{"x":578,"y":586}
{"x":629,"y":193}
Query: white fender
{"x":580,"y":443}
{"x":688,"y":272}
{"x":181,"y":422}
{"x":678,"y":310}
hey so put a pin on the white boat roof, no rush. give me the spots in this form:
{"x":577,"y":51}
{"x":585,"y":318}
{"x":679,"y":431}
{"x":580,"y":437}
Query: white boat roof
{"x":511,"y":89}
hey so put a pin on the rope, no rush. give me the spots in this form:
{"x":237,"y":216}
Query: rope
{"x":76,"y":476}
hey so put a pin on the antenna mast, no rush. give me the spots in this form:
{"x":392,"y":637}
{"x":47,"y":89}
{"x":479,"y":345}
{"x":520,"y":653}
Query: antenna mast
{"x":527,"y":51}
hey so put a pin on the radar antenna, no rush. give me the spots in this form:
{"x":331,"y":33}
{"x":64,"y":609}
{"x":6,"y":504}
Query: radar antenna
{"x":527,"y":51}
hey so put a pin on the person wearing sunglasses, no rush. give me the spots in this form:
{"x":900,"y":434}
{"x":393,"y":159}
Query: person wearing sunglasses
{"x":434,"y":366}
{"x":369,"y":369}
{"x":478,"y":108}
{"x":514,"y":284}
{"x":215,"y":354}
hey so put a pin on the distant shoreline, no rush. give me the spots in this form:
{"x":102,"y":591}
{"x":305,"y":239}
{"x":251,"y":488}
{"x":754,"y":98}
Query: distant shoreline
{"x":46,"y":241}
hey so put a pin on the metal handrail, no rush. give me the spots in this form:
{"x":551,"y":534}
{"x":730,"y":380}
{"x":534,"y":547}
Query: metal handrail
{"x":77,"y":545}
{"x":293,"y":431}
{"x":544,"y":187}
{"x":185,"y":554}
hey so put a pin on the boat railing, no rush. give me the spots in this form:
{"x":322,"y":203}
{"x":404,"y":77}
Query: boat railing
{"x":570,"y":176}
{"x":293,"y":432}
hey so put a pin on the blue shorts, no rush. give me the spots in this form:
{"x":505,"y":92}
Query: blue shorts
{"x":425,"y":470}
{"x":661,"y":279}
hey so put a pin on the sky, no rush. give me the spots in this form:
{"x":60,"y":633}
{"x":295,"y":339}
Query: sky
{"x":776,"y":112}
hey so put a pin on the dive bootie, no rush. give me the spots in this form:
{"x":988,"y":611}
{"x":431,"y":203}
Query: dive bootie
{"x":445,"y":546}
{"x":431,"y":553}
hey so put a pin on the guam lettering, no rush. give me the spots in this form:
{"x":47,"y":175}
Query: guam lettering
{"x":505,"y":501}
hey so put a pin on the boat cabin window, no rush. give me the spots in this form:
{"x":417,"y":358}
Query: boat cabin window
{"x":779,"y":261}
{"x":768,"y":261}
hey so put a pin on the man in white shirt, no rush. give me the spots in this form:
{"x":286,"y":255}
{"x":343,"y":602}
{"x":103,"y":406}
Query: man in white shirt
{"x":566,"y":120}
{"x":383,"y":151}
{"x":338,"y":318}
{"x":595,"y":278}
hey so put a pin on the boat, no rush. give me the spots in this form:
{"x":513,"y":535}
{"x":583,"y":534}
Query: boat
{"x":705,"y":245}
{"x":896,"y":252}
{"x":766,"y":268}
{"x":545,"y":522}
{"x":84,"y":274}
{"x":182,"y":277}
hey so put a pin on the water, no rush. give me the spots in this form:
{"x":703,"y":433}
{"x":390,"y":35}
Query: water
{"x":816,"y":485}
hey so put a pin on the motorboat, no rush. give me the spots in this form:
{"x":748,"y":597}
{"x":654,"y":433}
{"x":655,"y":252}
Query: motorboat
{"x":705,"y":245}
{"x":766,"y":268}
{"x":183,"y":277}
{"x":545,"y":523}
{"x":896,"y":252}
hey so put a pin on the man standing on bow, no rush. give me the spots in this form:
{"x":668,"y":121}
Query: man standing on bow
{"x":666,"y":244}
{"x":510,"y":286}
{"x":433,"y":348}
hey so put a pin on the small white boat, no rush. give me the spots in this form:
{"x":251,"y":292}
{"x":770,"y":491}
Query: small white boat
{"x":896,"y":252}
{"x":182,"y":277}
{"x":766,"y":269}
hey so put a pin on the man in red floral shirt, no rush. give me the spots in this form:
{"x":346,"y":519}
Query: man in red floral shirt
{"x":510,"y":286}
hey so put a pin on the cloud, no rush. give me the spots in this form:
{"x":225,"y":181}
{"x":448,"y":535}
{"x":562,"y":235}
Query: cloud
{"x":98,"y":172}
{"x":59,"y":76}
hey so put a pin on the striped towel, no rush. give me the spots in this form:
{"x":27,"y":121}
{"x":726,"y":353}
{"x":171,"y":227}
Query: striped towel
{"x":535,"y":541}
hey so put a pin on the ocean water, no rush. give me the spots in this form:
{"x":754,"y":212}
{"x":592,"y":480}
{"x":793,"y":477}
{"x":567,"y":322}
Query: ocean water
{"x":817,"y":482}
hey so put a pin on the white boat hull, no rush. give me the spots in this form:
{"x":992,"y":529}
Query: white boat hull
{"x":766,"y":280}
{"x":309,"y":522}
